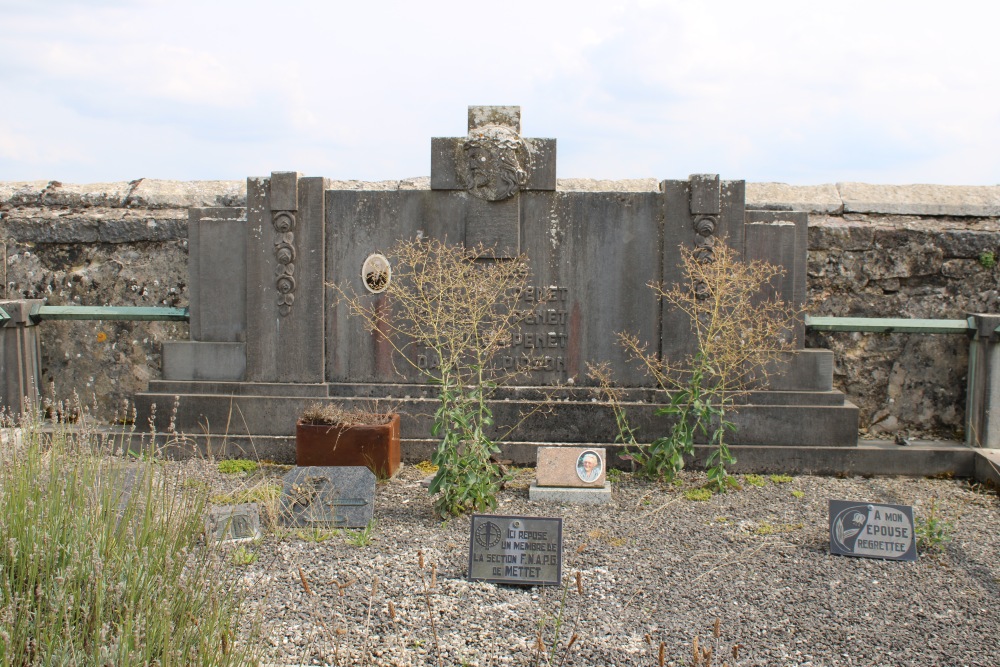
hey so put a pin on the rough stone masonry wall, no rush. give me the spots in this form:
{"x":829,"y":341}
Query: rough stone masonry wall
{"x":874,"y":251}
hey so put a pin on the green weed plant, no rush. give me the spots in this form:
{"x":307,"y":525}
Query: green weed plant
{"x":316,"y":534}
{"x":241,"y":556}
{"x":362,"y":537}
{"x":234,"y":466}
{"x":698,"y":495}
{"x":932,"y":531}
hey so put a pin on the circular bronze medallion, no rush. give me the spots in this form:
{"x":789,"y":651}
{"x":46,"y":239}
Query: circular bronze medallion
{"x":376,"y":273}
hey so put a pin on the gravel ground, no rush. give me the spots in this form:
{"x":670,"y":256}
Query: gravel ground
{"x":655,"y":567}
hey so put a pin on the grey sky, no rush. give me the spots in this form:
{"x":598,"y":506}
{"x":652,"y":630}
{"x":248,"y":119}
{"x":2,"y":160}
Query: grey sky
{"x":800,"y":92}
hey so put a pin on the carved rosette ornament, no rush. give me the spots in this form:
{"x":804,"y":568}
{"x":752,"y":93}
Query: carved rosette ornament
{"x":284,"y":252}
{"x":704,"y":246}
{"x":496,"y":163}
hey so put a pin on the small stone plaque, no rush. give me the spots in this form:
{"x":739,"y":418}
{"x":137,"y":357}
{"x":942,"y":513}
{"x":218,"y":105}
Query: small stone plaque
{"x":872,"y":531}
{"x":570,"y":466}
{"x":516,"y":550}
{"x":233,"y":523}
{"x":328,"y":497}
{"x":495,"y":225}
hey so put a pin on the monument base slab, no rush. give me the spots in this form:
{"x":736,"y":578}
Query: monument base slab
{"x":570,"y":495}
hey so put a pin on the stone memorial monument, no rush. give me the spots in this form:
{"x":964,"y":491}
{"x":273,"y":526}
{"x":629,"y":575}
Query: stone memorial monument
{"x":520,"y":550}
{"x":268,"y":336}
{"x":233,"y":523}
{"x":328,"y":497}
{"x":576,"y":475}
{"x":868,"y":530}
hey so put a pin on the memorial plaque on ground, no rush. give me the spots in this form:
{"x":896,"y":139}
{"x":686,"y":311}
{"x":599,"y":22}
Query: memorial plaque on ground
{"x":328,"y":497}
{"x":515,"y":550}
{"x":872,"y":531}
{"x":233,"y":523}
{"x":570,"y":466}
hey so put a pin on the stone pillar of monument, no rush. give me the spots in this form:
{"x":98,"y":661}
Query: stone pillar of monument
{"x":218,"y":299}
{"x":286,"y":297}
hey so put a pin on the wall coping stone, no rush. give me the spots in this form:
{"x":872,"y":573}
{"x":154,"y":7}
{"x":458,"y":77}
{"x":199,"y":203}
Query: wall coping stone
{"x":154,"y":193}
{"x":835,"y":199}
{"x":597,"y":185}
{"x":783,"y":197}
{"x":958,"y":200}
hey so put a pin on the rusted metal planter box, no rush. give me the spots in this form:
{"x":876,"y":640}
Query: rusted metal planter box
{"x":376,"y":447}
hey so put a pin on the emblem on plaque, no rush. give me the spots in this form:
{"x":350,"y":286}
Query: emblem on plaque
{"x":488,"y":535}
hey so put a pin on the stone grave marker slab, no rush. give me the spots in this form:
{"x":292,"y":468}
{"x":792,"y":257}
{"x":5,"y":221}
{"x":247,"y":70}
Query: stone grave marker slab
{"x":328,"y":497}
{"x":571,"y":466}
{"x":871,"y":530}
{"x":520,"y":550}
{"x":233,"y":523}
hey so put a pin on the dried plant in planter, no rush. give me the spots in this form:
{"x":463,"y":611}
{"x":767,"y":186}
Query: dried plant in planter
{"x":463,"y":312}
{"x":332,"y":413}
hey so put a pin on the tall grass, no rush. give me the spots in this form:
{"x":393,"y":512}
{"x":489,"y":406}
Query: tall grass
{"x":101,"y":562}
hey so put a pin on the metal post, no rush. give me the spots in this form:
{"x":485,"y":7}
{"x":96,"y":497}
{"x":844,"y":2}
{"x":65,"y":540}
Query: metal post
{"x":20,"y":357}
{"x":982,"y":403}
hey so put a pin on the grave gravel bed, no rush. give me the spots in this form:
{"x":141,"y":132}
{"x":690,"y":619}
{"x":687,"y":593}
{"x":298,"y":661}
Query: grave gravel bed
{"x":654,"y":568}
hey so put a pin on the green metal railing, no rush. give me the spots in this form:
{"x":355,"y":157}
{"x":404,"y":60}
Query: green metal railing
{"x":141,"y":313}
{"x":41,"y":313}
{"x":889,"y":325}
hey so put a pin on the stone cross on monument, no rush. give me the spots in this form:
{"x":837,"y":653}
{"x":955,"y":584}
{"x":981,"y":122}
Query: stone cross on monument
{"x":494,"y":163}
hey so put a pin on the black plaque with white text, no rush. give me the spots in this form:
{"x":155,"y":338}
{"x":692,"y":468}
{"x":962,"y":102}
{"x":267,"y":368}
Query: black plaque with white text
{"x":871,"y":530}
{"x":515,"y":550}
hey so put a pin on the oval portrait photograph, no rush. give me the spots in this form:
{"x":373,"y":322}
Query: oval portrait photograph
{"x":589,"y":466}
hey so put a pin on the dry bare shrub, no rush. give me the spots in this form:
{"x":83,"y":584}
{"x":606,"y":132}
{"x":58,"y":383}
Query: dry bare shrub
{"x":463,"y":310}
{"x":741,"y":328}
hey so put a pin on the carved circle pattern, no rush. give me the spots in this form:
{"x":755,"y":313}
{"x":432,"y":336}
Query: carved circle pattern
{"x":284,"y":253}
{"x":704,"y":247}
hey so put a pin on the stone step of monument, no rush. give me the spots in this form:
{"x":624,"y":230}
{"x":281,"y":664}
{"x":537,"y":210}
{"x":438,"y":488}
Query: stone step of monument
{"x":216,"y":388}
{"x":809,"y":424}
{"x":381,"y":391}
{"x":881,"y":457}
{"x":866,"y":458}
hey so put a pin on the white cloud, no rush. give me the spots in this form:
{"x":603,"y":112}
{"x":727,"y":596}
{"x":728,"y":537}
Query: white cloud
{"x":797,"y":91}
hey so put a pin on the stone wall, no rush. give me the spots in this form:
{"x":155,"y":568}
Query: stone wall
{"x":874,"y":251}
{"x":898,"y":251}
